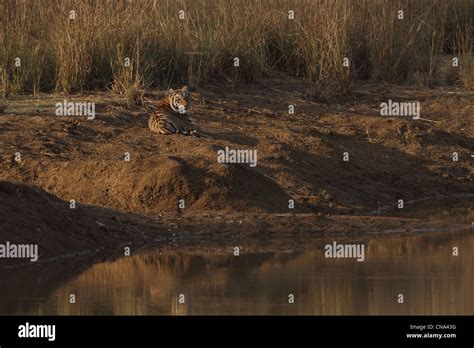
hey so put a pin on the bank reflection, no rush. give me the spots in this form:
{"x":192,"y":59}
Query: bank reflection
{"x":421,"y":267}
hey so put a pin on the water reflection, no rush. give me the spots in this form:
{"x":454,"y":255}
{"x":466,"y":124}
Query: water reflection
{"x":421,"y":267}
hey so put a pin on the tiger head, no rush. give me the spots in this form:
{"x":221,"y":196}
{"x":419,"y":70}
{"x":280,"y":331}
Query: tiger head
{"x":180,"y":100}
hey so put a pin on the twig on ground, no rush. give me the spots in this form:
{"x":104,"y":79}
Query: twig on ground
{"x":269,"y":176}
{"x":425,"y":119}
{"x":368,"y":137}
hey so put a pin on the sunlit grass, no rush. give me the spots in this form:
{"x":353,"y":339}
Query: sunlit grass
{"x":89,"y":51}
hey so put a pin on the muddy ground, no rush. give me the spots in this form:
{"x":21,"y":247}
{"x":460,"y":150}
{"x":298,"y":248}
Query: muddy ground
{"x":300,"y":157}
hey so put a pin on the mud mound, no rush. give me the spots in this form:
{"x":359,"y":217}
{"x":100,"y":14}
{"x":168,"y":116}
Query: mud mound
{"x":158,"y":183}
{"x":32,"y":216}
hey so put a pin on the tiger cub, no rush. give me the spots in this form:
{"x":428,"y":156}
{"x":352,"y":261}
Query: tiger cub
{"x":171,"y":116}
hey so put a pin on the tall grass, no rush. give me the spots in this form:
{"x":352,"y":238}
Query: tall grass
{"x":89,"y":51}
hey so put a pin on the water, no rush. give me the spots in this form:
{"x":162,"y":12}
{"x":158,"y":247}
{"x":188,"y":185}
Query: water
{"x":420,"y":266}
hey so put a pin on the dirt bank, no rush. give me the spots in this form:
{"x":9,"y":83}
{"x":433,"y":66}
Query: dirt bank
{"x":31,"y":215}
{"x":300,"y":157}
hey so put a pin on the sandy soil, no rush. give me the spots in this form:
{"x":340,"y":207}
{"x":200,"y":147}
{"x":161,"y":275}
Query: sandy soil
{"x":300,"y":157}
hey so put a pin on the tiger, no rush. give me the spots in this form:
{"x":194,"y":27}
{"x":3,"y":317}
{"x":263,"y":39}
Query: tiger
{"x":171,"y":115}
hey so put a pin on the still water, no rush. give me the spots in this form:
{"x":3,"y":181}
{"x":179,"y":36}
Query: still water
{"x":420,"y":266}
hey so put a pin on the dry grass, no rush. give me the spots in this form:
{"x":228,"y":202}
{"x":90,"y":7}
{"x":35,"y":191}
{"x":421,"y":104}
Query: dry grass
{"x":88,"y":52}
